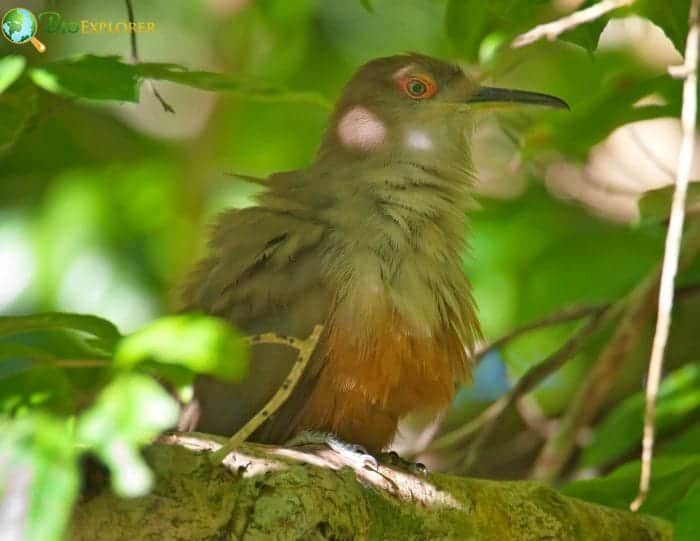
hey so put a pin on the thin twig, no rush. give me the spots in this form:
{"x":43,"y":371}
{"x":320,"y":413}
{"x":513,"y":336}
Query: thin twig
{"x":81,"y":363}
{"x":553,"y":29}
{"x":135,"y":59}
{"x":530,"y":379}
{"x":583,"y":409}
{"x":306,"y":348}
{"x":564,"y":316}
{"x":672,"y":248}
{"x":592,"y":392}
{"x":536,"y":374}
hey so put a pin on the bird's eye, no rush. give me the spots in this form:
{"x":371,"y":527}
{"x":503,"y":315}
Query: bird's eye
{"x":419,"y":88}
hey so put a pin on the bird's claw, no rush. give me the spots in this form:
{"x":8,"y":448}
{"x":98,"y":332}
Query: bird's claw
{"x":352,"y":452}
{"x":392,"y":458}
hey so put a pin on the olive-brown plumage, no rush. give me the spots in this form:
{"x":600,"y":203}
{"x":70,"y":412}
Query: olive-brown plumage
{"x":365,"y":241}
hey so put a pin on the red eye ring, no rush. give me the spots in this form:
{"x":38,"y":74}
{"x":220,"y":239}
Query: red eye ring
{"x":418,"y":87}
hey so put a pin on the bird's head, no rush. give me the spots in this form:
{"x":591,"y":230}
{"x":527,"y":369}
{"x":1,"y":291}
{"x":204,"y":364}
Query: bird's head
{"x":412,"y":104}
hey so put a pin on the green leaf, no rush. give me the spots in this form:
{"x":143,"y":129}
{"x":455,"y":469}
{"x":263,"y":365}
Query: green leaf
{"x":469,"y":22}
{"x":39,"y":475}
{"x":687,"y":527}
{"x":11,"y":67}
{"x":108,"y":78}
{"x":656,"y":204}
{"x":89,"y":76}
{"x":670,"y":15}
{"x":587,"y":35}
{"x":25,"y":385}
{"x":671,"y":479}
{"x":466,"y":24}
{"x":129,"y":412}
{"x":367,"y":4}
{"x":612,"y":106}
{"x":18,"y":105}
{"x":621,"y":431}
{"x":224,"y":82}
{"x":103,"y":334}
{"x":202,"y":344}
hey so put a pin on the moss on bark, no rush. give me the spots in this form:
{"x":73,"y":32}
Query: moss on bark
{"x":264,"y":492}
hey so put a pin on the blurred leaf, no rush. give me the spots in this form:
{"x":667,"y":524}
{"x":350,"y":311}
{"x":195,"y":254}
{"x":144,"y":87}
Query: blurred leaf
{"x":671,"y":479}
{"x":11,"y":67}
{"x":39,"y":478}
{"x":656,"y":204}
{"x":466,"y":23}
{"x":104,"y":332}
{"x":621,"y":430}
{"x":367,"y":4}
{"x":202,"y":344}
{"x":686,"y":443}
{"x":223,"y":82}
{"x":17,"y":106}
{"x":469,"y":22}
{"x":671,"y":16}
{"x":586,"y":35}
{"x":129,"y":412}
{"x":108,"y":78}
{"x":612,"y":105}
{"x":687,"y":527}
{"x":89,"y":76}
{"x":25,"y":386}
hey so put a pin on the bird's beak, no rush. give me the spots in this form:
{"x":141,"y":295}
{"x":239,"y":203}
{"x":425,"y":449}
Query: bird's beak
{"x":505,"y":95}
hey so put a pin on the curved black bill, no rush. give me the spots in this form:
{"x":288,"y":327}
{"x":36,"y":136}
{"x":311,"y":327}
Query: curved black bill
{"x":506,"y":95}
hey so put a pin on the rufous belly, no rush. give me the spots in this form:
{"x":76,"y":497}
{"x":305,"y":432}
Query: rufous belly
{"x":366,"y":386}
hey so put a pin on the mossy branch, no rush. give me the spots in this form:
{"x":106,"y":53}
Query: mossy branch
{"x":266,"y":492}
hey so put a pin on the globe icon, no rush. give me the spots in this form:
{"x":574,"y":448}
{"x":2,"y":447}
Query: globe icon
{"x":19,"y":26}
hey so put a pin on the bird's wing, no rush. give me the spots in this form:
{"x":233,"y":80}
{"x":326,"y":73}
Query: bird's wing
{"x":263,"y":274}
{"x":259,"y":260}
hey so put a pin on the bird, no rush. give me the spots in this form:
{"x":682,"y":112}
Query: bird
{"x":366,"y":241}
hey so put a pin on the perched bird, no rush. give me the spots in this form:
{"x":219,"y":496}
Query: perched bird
{"x":366,"y":241}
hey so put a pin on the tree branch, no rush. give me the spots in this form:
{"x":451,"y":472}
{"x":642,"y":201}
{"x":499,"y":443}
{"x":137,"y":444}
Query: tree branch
{"x":135,"y":59}
{"x":639,"y":307}
{"x":267,"y":492}
{"x":535,"y":375}
{"x":672,"y":249}
{"x":529,"y":380}
{"x":553,"y":29}
{"x":306,"y":349}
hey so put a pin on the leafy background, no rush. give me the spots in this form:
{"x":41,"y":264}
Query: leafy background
{"x":105,"y":197}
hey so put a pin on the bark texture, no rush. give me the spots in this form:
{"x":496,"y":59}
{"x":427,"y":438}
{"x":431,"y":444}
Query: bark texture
{"x":265,"y":492}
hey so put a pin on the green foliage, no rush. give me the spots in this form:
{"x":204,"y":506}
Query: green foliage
{"x":687,"y":524}
{"x":104,"y":197}
{"x":621,"y":431}
{"x":108,"y":78}
{"x":656,"y":204}
{"x":11,"y":67}
{"x":38,"y":464}
{"x":201,"y":344}
{"x":672,"y":478}
{"x":129,"y":412}
{"x":470,"y":22}
{"x":39,"y":355}
{"x":17,"y":107}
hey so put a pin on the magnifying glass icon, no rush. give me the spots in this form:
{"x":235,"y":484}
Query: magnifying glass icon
{"x":19,"y":25}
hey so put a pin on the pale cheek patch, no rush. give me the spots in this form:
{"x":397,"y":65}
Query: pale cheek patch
{"x":419,"y":140}
{"x":359,"y":129}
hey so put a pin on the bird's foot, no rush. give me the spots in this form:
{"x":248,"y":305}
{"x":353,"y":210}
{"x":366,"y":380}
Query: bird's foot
{"x":392,"y":458}
{"x":352,"y":452}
